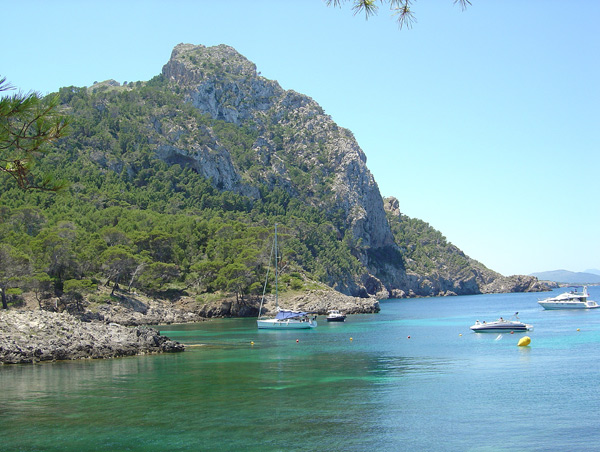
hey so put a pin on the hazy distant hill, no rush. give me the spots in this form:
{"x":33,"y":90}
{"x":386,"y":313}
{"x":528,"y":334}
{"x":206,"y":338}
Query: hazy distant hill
{"x":565,"y":276}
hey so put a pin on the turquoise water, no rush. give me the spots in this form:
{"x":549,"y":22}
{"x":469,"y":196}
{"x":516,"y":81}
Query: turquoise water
{"x":411,"y":378}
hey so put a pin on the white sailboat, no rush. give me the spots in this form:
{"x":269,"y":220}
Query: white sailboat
{"x":284,"y":319}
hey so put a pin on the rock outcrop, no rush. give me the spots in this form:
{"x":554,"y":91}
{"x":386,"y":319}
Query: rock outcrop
{"x":320,"y":301}
{"x":33,"y":336}
{"x":515,"y":283}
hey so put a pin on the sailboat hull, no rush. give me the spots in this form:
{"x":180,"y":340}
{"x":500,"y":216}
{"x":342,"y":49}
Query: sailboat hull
{"x":291,"y":324}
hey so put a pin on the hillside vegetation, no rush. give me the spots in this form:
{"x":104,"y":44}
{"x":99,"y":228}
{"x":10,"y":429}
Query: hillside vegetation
{"x":175,"y":184}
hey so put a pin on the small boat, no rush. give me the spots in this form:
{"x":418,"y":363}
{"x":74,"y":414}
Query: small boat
{"x":573,"y":299}
{"x":284,"y":319}
{"x":335,"y":316}
{"x":501,"y":326}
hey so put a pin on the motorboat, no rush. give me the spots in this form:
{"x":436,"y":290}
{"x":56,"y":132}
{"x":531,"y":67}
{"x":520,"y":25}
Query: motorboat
{"x":335,"y":316}
{"x":501,"y":326}
{"x":573,"y":299}
{"x":284,"y":319}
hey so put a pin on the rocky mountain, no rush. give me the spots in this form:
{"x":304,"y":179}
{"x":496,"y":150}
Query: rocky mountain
{"x":298,"y":147}
{"x":176,"y":183}
{"x":294,"y":134}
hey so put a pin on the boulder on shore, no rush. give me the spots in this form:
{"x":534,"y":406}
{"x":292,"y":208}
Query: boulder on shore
{"x":32,"y":336}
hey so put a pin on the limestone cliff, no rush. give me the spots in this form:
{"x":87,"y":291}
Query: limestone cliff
{"x":298,"y":147}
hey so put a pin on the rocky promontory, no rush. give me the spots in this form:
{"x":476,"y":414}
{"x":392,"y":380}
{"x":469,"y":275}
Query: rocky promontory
{"x":515,"y":283}
{"x":320,"y":301}
{"x":33,"y":336}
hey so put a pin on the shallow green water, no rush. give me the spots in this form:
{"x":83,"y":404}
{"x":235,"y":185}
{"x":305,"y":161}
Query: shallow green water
{"x":356,"y":386}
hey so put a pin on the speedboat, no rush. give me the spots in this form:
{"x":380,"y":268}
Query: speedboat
{"x":501,"y":326}
{"x":335,"y":316}
{"x":573,"y":299}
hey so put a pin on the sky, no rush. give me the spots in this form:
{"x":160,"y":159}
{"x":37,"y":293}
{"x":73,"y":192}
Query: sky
{"x":484,"y":123}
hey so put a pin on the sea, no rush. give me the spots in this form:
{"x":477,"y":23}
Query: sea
{"x":412,"y":377}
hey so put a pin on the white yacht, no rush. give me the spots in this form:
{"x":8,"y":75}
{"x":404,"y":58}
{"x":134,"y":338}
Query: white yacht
{"x":573,"y":299}
{"x":284,"y":319}
{"x":335,"y":316}
{"x":501,"y":326}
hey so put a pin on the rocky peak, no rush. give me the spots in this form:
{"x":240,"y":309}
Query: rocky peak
{"x":221,"y":82}
{"x":293,"y":134}
{"x":190,"y":64}
{"x":392,"y":206}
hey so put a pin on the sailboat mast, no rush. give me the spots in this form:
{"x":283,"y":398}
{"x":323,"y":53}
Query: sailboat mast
{"x":276,"y":271}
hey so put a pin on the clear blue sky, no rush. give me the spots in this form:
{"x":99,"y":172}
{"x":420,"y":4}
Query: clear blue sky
{"x":483,"y":123}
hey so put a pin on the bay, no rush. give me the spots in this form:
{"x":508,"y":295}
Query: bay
{"x":410,"y":378}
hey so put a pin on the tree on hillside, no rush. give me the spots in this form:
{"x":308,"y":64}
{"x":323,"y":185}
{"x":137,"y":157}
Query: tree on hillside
{"x":13,"y":265}
{"x":75,"y":291}
{"x":202,"y":274}
{"x":55,"y":253}
{"x":400,"y":8}
{"x":41,"y":285}
{"x":28,"y":123}
{"x":117,"y":262}
{"x":157,"y":275}
{"x":236,"y":277}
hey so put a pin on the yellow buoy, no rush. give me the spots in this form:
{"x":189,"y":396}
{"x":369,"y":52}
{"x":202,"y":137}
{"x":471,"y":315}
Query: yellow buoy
{"x":524,"y":341}
{"x":350,"y":338}
{"x":577,"y":329}
{"x":252,"y":343}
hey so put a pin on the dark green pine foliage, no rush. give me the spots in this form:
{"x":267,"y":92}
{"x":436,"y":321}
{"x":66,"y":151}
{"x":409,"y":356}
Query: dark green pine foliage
{"x":427,"y":253}
{"x":132,"y":219}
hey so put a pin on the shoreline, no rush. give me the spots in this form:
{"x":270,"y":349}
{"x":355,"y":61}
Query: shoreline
{"x":29,"y":337}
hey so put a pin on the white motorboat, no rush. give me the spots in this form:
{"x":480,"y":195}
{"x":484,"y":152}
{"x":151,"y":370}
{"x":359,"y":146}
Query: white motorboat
{"x":501,"y":326}
{"x":573,"y":299}
{"x":335,"y":316}
{"x":284,"y":319}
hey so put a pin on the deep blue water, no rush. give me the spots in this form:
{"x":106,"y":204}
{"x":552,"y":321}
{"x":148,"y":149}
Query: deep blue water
{"x":411,"y":378}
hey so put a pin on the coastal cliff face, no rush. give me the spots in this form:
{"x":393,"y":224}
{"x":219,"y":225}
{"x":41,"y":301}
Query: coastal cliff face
{"x":293,"y":135}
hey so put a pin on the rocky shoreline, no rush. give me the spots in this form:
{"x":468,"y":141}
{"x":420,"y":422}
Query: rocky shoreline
{"x":34,"y":336}
{"x":120,"y":327}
